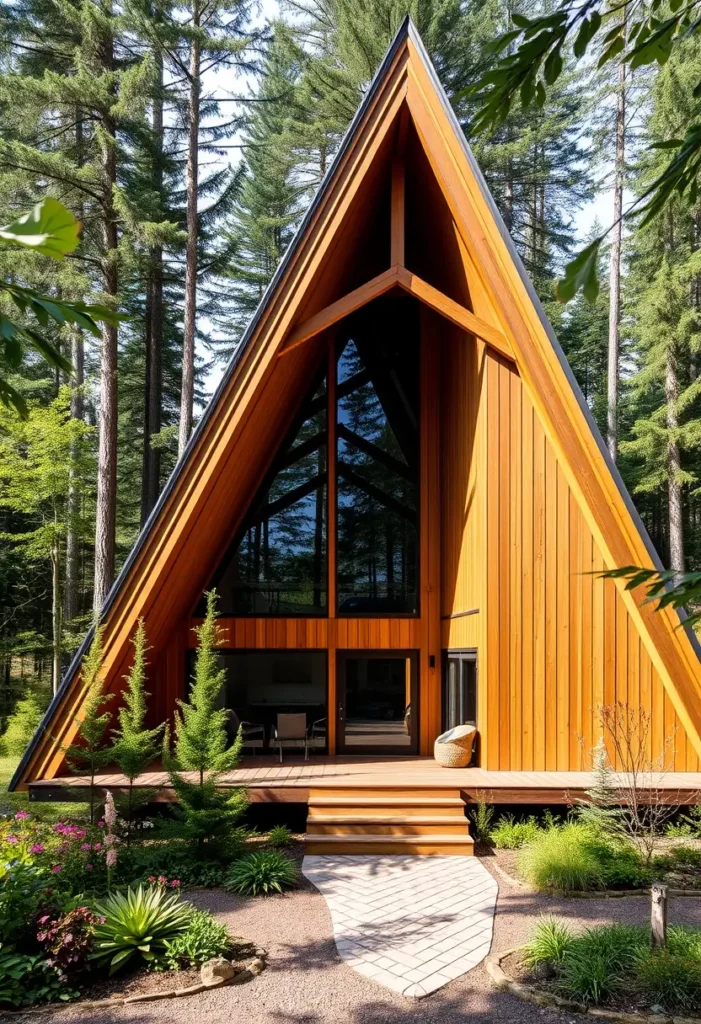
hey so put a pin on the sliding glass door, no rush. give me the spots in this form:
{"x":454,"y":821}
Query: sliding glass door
{"x":377,"y":702}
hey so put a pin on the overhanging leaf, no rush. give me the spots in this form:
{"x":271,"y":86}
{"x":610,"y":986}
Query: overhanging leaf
{"x":580,"y":274}
{"x":49,"y":229}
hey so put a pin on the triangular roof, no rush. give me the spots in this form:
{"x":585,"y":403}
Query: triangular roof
{"x":305,"y":298}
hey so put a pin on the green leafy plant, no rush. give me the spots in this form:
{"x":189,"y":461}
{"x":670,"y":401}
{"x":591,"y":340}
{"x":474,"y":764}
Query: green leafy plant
{"x":22,"y":886}
{"x":203,"y":939}
{"x":262,"y":873}
{"x":670,"y":980}
{"x":668,"y":588}
{"x":50,"y":230}
{"x":28,"y":979}
{"x":564,"y":859}
{"x":530,"y":60}
{"x":510,"y":834}
{"x":600,"y":960}
{"x":23,"y":722}
{"x":280,"y":836}
{"x":549,"y":944}
{"x":138,"y":922}
{"x":482,"y":817}
{"x":686,"y":825}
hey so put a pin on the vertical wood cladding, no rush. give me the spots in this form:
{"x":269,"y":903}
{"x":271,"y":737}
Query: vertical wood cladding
{"x":559,"y":640}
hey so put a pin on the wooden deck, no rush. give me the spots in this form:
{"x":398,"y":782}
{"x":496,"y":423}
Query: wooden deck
{"x":269,"y":781}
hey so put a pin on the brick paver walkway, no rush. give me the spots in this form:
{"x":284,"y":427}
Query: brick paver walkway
{"x":410,"y":923}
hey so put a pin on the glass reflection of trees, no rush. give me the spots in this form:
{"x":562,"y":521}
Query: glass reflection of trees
{"x":278,"y":564}
{"x":378,"y":463}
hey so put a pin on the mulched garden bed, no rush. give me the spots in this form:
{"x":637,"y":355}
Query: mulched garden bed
{"x":682,"y":876}
{"x":138,"y":981}
{"x":542,"y":980}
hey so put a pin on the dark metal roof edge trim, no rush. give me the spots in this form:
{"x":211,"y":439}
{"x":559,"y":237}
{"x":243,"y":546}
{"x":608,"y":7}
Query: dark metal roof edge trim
{"x":74,"y":665}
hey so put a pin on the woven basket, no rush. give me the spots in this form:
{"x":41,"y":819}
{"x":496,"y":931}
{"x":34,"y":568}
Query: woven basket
{"x":453,"y":749}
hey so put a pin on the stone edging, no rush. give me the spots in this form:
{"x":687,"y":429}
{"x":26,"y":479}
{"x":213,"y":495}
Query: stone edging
{"x":540,"y":998}
{"x":255,"y":967}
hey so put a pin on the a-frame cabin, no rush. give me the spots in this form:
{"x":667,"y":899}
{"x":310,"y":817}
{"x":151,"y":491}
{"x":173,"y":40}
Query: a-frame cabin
{"x":399,"y":492}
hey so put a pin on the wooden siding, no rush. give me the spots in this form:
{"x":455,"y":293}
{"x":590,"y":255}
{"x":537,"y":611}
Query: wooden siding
{"x":560,"y":641}
{"x":314,"y":634}
{"x":463,"y":490}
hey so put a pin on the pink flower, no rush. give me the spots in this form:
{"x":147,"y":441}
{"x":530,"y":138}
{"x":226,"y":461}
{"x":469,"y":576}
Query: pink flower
{"x":110,"y":811}
{"x":97,"y":846}
{"x":162,"y":879}
{"x":175,"y":883}
{"x":21,"y":815}
{"x":11,"y":839}
{"x":36,"y":848}
{"x":100,"y":824}
{"x":85,"y":846}
{"x":88,"y":867}
{"x":44,"y":919}
{"x":152,"y":878}
{"x":111,"y":858}
{"x":57,"y":868}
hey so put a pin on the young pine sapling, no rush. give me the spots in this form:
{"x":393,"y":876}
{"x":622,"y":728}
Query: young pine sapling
{"x":135,"y":746}
{"x":90,"y":753}
{"x":207,"y":813}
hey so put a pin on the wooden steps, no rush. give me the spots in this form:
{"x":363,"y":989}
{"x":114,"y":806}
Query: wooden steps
{"x":389,"y":820}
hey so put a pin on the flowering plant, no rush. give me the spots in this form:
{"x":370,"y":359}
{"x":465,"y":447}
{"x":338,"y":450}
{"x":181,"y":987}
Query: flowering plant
{"x":68,"y":857}
{"x":162,"y":882}
{"x":67,"y":938}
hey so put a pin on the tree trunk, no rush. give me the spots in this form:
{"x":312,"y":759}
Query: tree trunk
{"x":615,"y":268}
{"x":70,"y":597}
{"x":56,"y":617}
{"x":676,"y":527}
{"x":188,"y":378}
{"x":105,"y":516}
{"x":153,"y":386}
{"x":509,"y":197}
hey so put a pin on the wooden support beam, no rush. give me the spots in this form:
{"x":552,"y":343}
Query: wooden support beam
{"x":330,"y":315}
{"x":397,"y":212}
{"x":422,"y":290}
{"x":454,"y":312}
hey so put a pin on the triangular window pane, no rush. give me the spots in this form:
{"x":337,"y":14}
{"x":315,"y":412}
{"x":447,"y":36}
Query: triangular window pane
{"x":277,"y":565}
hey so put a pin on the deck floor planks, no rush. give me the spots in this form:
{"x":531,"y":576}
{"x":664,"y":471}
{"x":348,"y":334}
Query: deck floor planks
{"x":268,"y":776}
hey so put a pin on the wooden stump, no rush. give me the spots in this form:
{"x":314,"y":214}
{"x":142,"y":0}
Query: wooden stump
{"x":658,"y":915}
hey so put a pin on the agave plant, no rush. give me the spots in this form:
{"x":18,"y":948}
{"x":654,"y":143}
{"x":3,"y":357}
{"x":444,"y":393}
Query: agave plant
{"x":139,"y":921}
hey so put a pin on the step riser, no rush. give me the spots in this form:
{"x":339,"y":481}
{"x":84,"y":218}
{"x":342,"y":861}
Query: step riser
{"x":385,"y":806}
{"x":399,"y":791}
{"x":317,"y":829}
{"x":355,"y":818}
{"x":422,"y":849}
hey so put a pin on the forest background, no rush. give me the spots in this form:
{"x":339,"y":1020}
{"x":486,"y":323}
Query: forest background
{"x":188,"y":137}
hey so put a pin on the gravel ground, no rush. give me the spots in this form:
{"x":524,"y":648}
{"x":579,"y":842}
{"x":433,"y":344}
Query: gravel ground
{"x":306,"y":983}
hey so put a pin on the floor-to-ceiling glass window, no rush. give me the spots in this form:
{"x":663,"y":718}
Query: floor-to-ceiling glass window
{"x":377,"y":461}
{"x":277,"y":565}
